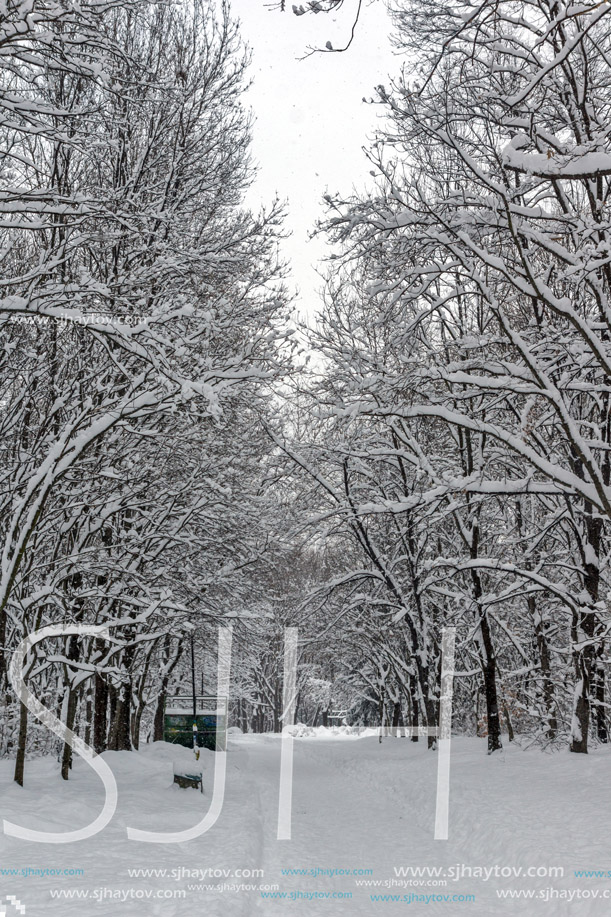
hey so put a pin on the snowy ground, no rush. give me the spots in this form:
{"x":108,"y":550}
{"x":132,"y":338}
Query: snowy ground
{"x":357,"y":806}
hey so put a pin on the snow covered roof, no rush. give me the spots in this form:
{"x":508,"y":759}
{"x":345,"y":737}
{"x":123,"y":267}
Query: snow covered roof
{"x":204,"y":710}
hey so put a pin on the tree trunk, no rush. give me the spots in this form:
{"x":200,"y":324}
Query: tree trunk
{"x":88,"y":715}
{"x":492,"y":709}
{"x":21,"y":744}
{"x":415,"y":718}
{"x":70,"y":717}
{"x":507,"y":719}
{"x":135,"y":725}
{"x":396,"y":717}
{"x":581,"y":709}
{"x":111,"y":741}
{"x":3,"y":653}
{"x":73,"y":654}
{"x":120,"y":729}
{"x":159,"y":714}
{"x":584,"y":625}
{"x":100,"y":710}
{"x":602,"y":732}
{"x":548,"y":684}
{"x":276,"y":711}
{"x":487,"y":655}
{"x":490,"y":691}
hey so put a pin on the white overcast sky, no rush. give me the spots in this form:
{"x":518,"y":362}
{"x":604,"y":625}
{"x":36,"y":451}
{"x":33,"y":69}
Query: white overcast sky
{"x":311,"y":121}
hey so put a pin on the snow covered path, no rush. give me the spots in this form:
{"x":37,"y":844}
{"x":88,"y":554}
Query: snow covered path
{"x":362,"y":813}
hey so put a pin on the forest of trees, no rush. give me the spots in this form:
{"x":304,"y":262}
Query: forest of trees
{"x":169,"y":460}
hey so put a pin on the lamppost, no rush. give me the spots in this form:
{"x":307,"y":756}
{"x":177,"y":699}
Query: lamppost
{"x":195,"y":745}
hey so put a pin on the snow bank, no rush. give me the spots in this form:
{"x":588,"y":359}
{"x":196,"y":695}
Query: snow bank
{"x":301,"y":731}
{"x":357,"y":804}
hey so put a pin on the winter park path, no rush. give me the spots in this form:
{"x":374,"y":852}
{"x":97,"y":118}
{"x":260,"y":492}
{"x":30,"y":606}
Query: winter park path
{"x":363,"y":813}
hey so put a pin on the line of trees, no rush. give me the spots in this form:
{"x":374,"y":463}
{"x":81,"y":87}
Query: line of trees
{"x":459,"y":432}
{"x":143,"y":318}
{"x":445,"y":460}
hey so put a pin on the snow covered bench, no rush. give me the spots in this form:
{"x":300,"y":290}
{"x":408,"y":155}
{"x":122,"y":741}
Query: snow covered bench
{"x":188,"y":771}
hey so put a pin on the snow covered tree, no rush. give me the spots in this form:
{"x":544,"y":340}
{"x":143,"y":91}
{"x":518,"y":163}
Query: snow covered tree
{"x":490,"y":226}
{"x":143,"y":311}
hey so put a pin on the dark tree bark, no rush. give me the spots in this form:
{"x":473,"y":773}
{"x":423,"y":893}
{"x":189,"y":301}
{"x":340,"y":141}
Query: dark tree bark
{"x":487,"y":654}
{"x":584,"y":622}
{"x":88,"y":715}
{"x":135,"y":725}
{"x":396,"y":717}
{"x":158,"y":720}
{"x":21,"y":744}
{"x":72,"y":654}
{"x":121,"y":729}
{"x":111,"y":739}
{"x":100,"y":711}
{"x":602,"y":732}
{"x":415,"y":705}
{"x":70,"y":718}
{"x":490,"y":690}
